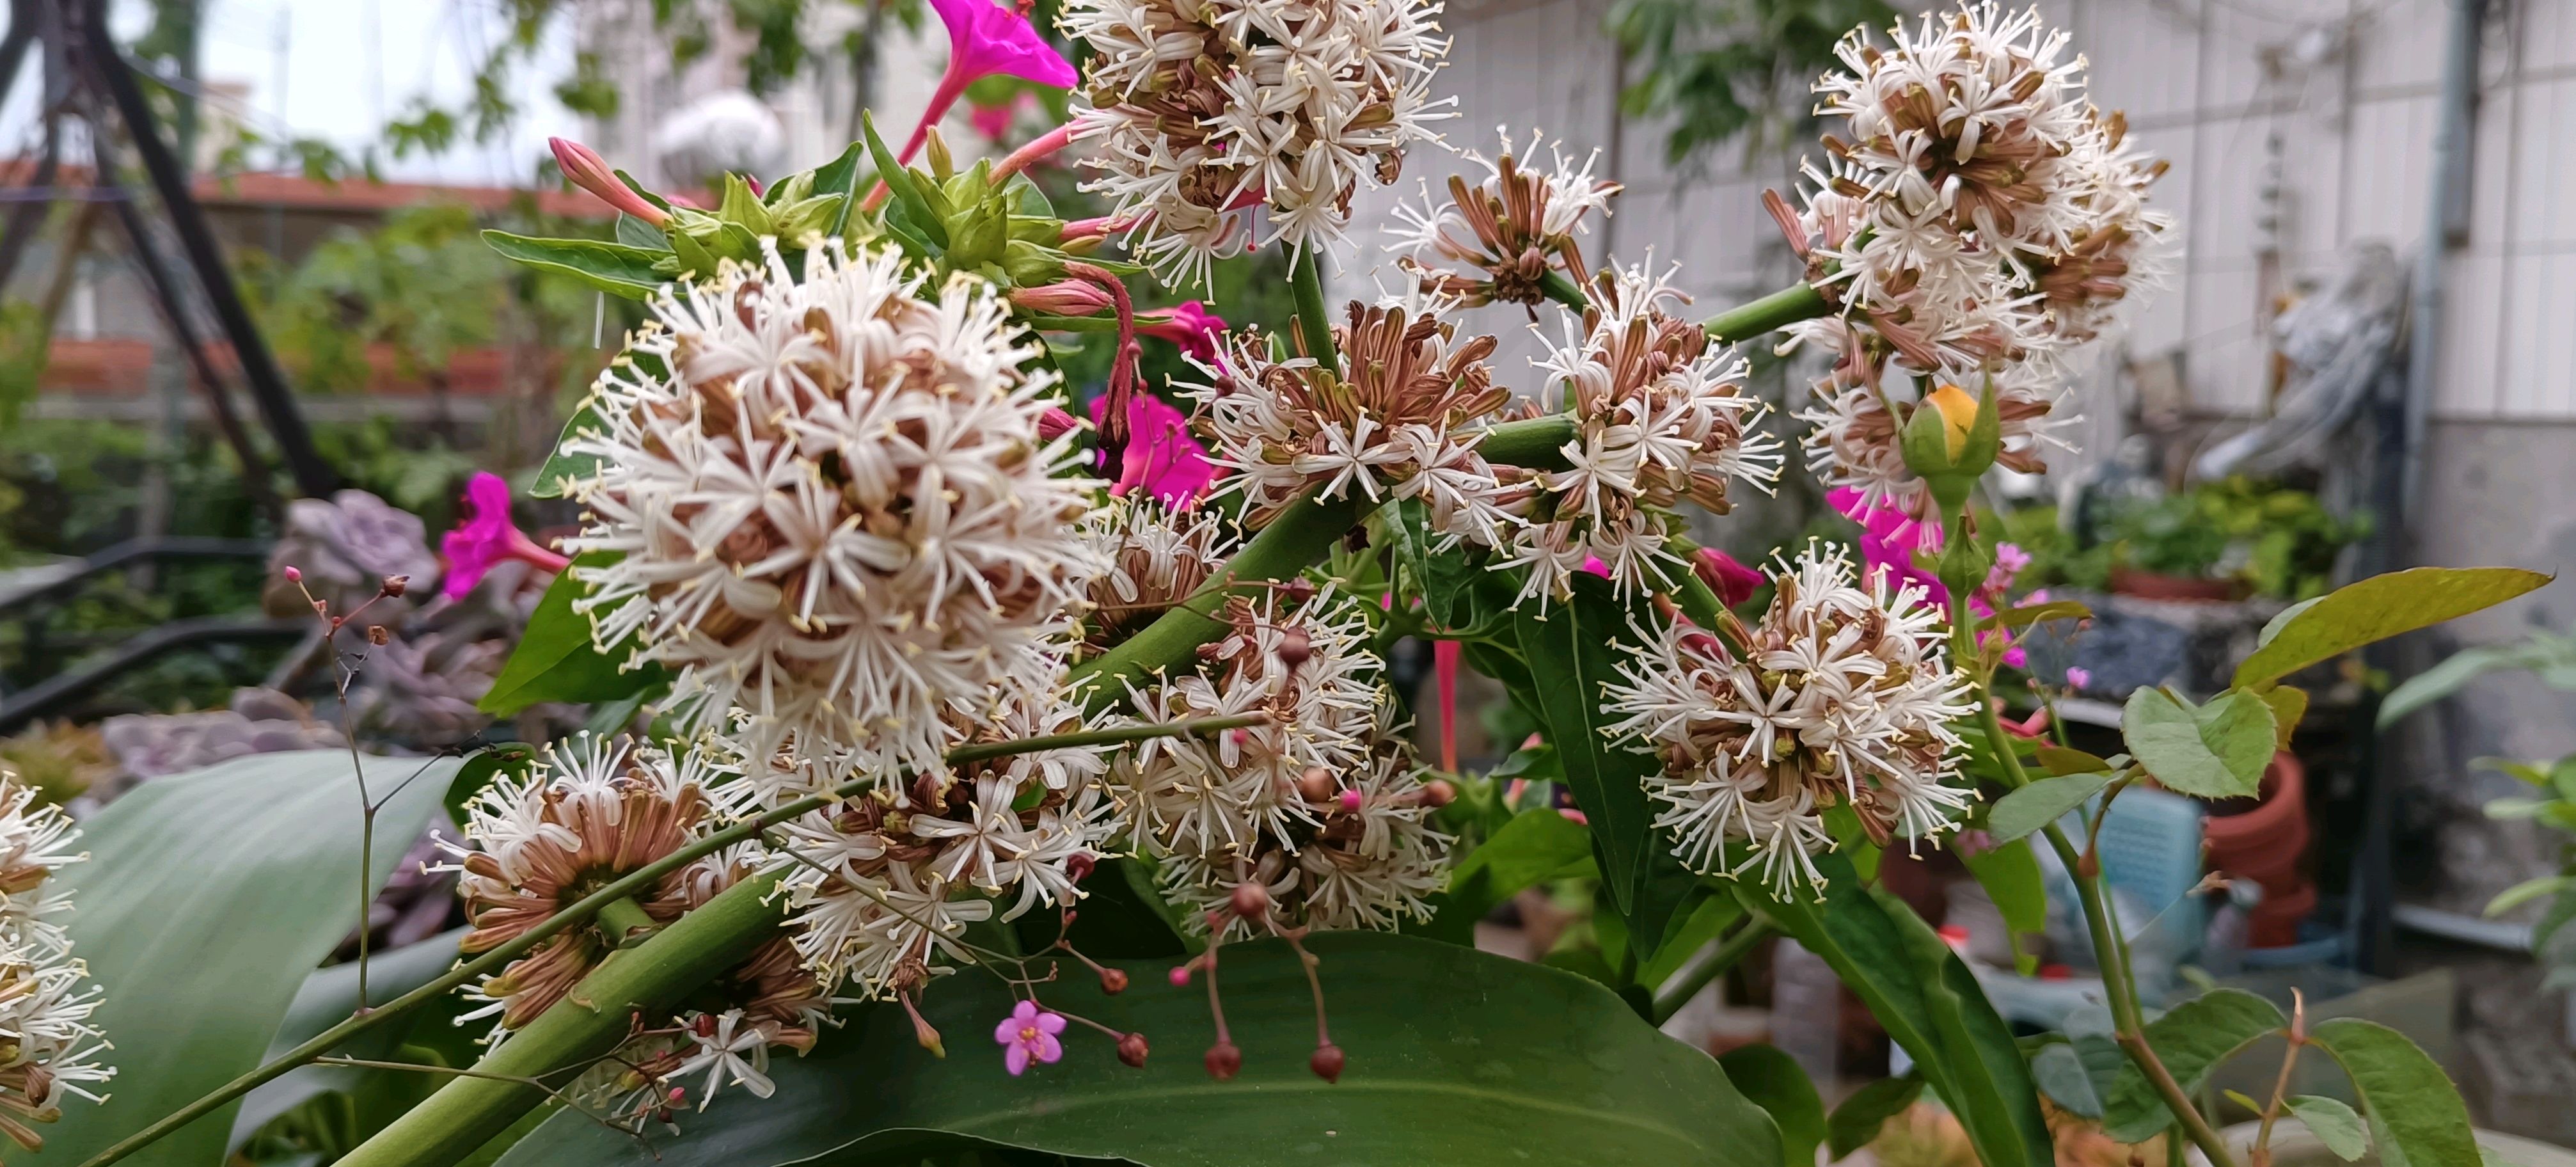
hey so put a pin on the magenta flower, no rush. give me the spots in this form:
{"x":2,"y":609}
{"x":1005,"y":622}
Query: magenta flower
{"x":985,"y":41}
{"x":487,"y":538}
{"x":1888,"y":541}
{"x":1161,"y":457}
{"x":1191,"y":326}
{"x":2079,"y":677}
{"x":1733,"y":582}
{"x":1027,"y":1035}
{"x":584,"y":168}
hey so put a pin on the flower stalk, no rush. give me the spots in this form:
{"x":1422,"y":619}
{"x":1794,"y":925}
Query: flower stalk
{"x":1314,"y":321}
{"x":1780,"y":309}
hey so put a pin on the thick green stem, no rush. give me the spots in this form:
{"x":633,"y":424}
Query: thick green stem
{"x":1778,"y":310}
{"x":1314,"y":322}
{"x":636,"y":985}
{"x":623,"y":921}
{"x":1564,"y":291}
{"x":1686,"y":983}
{"x":589,"y":907}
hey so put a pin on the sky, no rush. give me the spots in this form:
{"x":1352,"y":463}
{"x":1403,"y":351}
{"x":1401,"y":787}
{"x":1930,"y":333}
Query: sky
{"x":338,"y":69}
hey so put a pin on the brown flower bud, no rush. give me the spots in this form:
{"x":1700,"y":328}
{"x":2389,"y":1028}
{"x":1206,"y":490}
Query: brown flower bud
{"x":376,"y":635}
{"x":1438,"y":792}
{"x":1224,"y":1061}
{"x":1132,"y":1050}
{"x":1316,"y":784}
{"x":1250,"y":901}
{"x":395,"y":585}
{"x":1113,"y":981}
{"x":1080,"y":867}
{"x":1295,"y":647}
{"x":1327,"y":1062}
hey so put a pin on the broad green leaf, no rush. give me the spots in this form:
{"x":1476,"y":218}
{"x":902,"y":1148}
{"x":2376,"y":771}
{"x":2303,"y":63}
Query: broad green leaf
{"x":478,"y":770}
{"x":1665,"y":897}
{"x":1775,"y":1082}
{"x":1535,"y":845}
{"x":1708,"y":919}
{"x":327,"y":998}
{"x":2416,"y":1116}
{"x":2042,"y":802}
{"x":2061,"y":1075}
{"x":2010,"y":875}
{"x":207,"y":900}
{"x":2024,"y":617}
{"x":556,"y":661}
{"x":2378,"y":608}
{"x":2216,"y":750}
{"x":614,"y":268}
{"x":2527,"y":891}
{"x":643,"y":236}
{"x":1855,"y":1123}
{"x":556,"y":478}
{"x":840,"y":176}
{"x":2281,"y":619}
{"x":2061,"y":761}
{"x":2191,"y":1039}
{"x":2333,"y":1123}
{"x":2457,"y":670}
{"x":1455,"y":1057}
{"x":1573,"y":645}
{"x":2289,"y":704}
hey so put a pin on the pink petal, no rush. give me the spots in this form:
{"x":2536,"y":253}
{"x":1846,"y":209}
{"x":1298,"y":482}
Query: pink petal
{"x":1050,"y":1023}
{"x":1049,"y":1049}
{"x":1016,"y":1059}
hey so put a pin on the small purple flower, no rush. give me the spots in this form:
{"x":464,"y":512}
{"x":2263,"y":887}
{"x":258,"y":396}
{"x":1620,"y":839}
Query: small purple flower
{"x":2078,"y":677}
{"x":986,"y":41}
{"x":486,"y":537}
{"x":1027,"y":1035}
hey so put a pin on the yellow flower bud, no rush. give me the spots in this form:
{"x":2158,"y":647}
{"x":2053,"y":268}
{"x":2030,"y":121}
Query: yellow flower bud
{"x":1958,"y":416}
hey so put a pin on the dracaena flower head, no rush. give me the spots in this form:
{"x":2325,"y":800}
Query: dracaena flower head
{"x":2117,"y":245}
{"x":1401,"y":420}
{"x":1839,"y":695}
{"x":1497,"y":239}
{"x":1156,"y":556}
{"x":1660,"y":415}
{"x":831,"y":505}
{"x":1852,"y":439}
{"x":884,"y":883}
{"x":1319,"y":806}
{"x":1204,"y":111}
{"x":46,"y":1000}
{"x":589,"y":810}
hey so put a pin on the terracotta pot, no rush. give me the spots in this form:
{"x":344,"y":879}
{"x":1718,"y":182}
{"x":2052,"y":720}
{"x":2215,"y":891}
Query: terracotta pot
{"x":2148,"y":585}
{"x":2266,"y":844}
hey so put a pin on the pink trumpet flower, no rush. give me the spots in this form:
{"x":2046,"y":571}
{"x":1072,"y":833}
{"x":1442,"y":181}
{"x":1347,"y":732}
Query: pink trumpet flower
{"x":1160,"y":457}
{"x":584,"y":168}
{"x":1190,"y":326}
{"x":984,"y":41}
{"x":487,"y":538}
{"x":1733,"y":582}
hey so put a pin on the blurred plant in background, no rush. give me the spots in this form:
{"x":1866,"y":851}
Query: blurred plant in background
{"x":1720,"y":68}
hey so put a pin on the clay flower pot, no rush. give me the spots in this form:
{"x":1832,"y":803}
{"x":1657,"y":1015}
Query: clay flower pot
{"x":2266,"y":844}
{"x":2148,"y":585}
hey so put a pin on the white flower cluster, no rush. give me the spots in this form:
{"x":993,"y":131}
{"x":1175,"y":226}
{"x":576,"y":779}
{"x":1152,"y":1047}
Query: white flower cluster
{"x":52,"y":1048}
{"x":1660,"y":414}
{"x":1839,"y":695}
{"x":589,"y":810}
{"x":1319,"y":806}
{"x":885,"y":883}
{"x":1982,"y":216}
{"x":1852,"y":440}
{"x":1396,"y":422}
{"x":1205,"y":110}
{"x":829,"y":506}
{"x":1499,"y":239}
{"x":1155,"y":556}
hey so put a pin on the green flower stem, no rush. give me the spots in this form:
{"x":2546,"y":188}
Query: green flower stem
{"x":1696,"y":975}
{"x":1298,"y":536}
{"x":624,"y":921}
{"x":1563,"y":291}
{"x":590,"y":906}
{"x":1780,"y":309}
{"x":1314,"y":321}
{"x":2110,"y":949}
{"x":589,"y":1023}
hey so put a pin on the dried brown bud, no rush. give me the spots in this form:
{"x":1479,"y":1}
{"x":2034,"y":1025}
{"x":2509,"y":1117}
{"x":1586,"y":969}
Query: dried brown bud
{"x":1224,"y":1061}
{"x":1438,"y":792}
{"x":1132,"y":1050}
{"x":395,"y":585}
{"x":1295,"y":647}
{"x":376,"y":635}
{"x":1113,"y":981}
{"x":1327,"y":1062}
{"x":1298,"y":590}
{"x":1250,"y":901}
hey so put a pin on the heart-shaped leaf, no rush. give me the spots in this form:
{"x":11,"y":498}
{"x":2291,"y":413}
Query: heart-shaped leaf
{"x":2191,"y":1039}
{"x":1454,"y":1057}
{"x":2333,"y":1123}
{"x":2416,"y":1116}
{"x":2216,"y":750}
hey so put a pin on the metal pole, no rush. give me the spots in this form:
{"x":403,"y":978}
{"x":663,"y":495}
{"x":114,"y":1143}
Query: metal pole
{"x":13,"y":47}
{"x":268,"y":388}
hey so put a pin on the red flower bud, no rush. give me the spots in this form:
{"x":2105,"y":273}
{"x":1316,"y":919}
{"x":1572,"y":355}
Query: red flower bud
{"x":1180,"y":976}
{"x":1327,"y":1063}
{"x":1113,"y":981}
{"x":1250,"y":901}
{"x":1295,"y":648}
{"x":1063,"y":298}
{"x":1077,"y":869}
{"x":1224,"y":1061}
{"x":1438,"y":792}
{"x":293,"y":575}
{"x":1132,"y":1050}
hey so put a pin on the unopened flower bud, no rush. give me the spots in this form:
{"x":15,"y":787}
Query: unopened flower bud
{"x":1299,"y":590}
{"x":376,"y":635}
{"x":1316,"y":784}
{"x":1056,"y":423}
{"x":1250,"y":901}
{"x":1077,"y":869}
{"x":294,"y":574}
{"x":1350,"y":802}
{"x":1180,"y":976}
{"x":1132,"y":1050}
{"x":1113,"y":981}
{"x":1224,"y":1060}
{"x":1295,"y":647}
{"x":395,"y":585}
{"x":1327,"y":1062}
{"x":584,"y":168}
{"x":1063,"y":298}
{"x":1439,"y":792}
{"x":704,"y":1025}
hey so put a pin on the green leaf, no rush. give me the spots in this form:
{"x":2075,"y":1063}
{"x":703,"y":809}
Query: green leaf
{"x":1775,"y":1082}
{"x":2010,"y":875}
{"x":2191,"y":1039}
{"x":2024,"y":617}
{"x":207,"y":900}
{"x":1855,"y":1123}
{"x":2378,"y":608}
{"x":327,"y":998}
{"x":2289,"y":704}
{"x":2281,"y":619}
{"x":2456,"y":671}
{"x":614,"y":268}
{"x":2060,"y":1072}
{"x":2333,"y":1123}
{"x":1573,"y":645}
{"x":643,"y":236}
{"x":2042,"y":802}
{"x":1706,"y":921}
{"x":840,"y":176}
{"x":1455,"y":1057}
{"x":478,"y":771}
{"x":2416,"y":1116}
{"x":556,"y":661}
{"x":555,"y":479}
{"x":2061,"y":761}
{"x":2216,"y":750}
{"x":2527,"y":891}
{"x":905,"y":186}
{"x":1535,"y":845}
